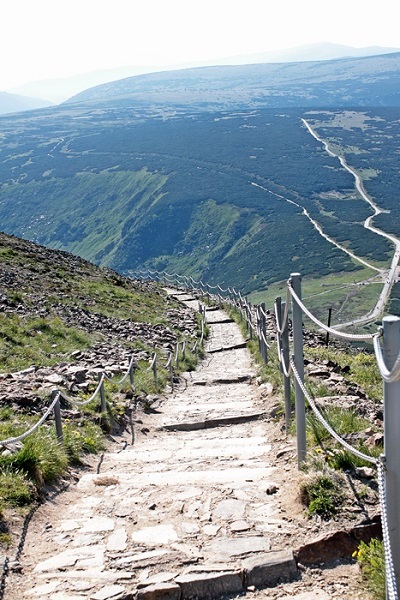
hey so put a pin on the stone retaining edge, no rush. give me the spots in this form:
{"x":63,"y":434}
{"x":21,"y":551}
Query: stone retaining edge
{"x":265,"y":570}
{"x":261,"y":571}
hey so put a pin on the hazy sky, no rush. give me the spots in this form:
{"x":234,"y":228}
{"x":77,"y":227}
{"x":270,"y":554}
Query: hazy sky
{"x":42,"y":39}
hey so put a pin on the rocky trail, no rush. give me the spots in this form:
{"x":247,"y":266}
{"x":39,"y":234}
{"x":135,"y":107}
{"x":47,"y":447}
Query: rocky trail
{"x":198,"y":500}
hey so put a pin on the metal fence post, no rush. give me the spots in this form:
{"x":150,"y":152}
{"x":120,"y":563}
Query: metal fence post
{"x":248,"y":321}
{"x":264,"y":332}
{"x":329,"y":324}
{"x":171,"y":371}
{"x":284,"y":339}
{"x":391,"y":349}
{"x":102,"y":394}
{"x":297,"y":321}
{"x":57,"y":415}
{"x":258,"y":330}
{"x":286,"y":358}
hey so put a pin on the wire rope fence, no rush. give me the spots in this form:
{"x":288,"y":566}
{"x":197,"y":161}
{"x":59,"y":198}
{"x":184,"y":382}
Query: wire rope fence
{"x":289,"y":343}
{"x":59,"y":395}
{"x":289,"y":316}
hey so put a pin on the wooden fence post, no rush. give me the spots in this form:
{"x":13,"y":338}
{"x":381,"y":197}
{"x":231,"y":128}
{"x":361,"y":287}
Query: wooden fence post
{"x":102,"y":394}
{"x":57,"y":415}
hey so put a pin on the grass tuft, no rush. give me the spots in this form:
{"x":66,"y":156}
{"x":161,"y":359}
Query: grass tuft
{"x":15,"y":488}
{"x":371,"y":559}
{"x":42,"y":457}
{"x":321,"y":493}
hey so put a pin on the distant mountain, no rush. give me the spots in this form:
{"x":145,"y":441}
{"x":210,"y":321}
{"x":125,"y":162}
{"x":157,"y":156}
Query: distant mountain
{"x":365,"y":81}
{"x":13,"y":103}
{"x":313,"y":52}
{"x":59,"y":90}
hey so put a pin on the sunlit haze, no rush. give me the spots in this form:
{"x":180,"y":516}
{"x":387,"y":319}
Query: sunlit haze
{"x":44,"y":39}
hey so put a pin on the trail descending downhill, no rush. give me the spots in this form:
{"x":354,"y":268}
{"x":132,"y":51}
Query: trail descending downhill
{"x":199,"y":500}
{"x":389,"y":275}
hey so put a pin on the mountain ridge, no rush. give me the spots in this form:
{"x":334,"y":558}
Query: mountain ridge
{"x":363,"y":80}
{"x":14,"y":103}
{"x":61,"y":89}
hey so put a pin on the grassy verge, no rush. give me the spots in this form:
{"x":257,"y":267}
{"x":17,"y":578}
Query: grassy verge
{"x":359,"y":366}
{"x":349,"y":294}
{"x":37,"y":341}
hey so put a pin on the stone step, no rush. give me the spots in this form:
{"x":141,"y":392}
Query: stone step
{"x":237,"y":447}
{"x":216,"y":421}
{"x":234,"y":476}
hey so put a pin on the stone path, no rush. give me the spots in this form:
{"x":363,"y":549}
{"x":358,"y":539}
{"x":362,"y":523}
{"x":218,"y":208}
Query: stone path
{"x":188,"y":511}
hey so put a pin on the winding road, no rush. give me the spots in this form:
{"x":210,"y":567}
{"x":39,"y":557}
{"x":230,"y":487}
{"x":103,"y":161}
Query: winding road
{"x":388,"y":275}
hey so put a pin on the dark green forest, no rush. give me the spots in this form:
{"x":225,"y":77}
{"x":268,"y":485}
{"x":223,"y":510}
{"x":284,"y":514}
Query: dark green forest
{"x":217,"y":195}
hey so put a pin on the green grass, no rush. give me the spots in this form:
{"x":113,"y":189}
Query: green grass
{"x":120,"y":302}
{"x":322,"y":493}
{"x":343,"y":421}
{"x":342,"y":459}
{"x":341,"y":291}
{"x":42,"y":457}
{"x":363,"y":367}
{"x":15,"y":488}
{"x":37,"y":341}
{"x":371,"y":558}
{"x":83,"y":437}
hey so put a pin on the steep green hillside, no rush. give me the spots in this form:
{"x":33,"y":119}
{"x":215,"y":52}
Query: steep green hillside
{"x":53,"y":303}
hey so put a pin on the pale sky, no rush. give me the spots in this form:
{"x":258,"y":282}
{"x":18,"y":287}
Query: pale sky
{"x":41,"y":39}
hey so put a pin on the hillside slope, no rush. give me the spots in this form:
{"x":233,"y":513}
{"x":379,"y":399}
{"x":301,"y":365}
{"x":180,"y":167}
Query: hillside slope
{"x":215,"y":195}
{"x":55,"y":307}
{"x":364,"y":81}
{"x":14,"y":103}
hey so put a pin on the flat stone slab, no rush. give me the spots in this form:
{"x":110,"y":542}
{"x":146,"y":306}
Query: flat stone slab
{"x":225,"y":547}
{"x":109,"y":592}
{"x":70,"y":558}
{"x":311,"y":595}
{"x":270,"y":569}
{"x":234,"y":476}
{"x":158,"y":534}
{"x":216,"y":421}
{"x":160,"y":591}
{"x":210,"y":585}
